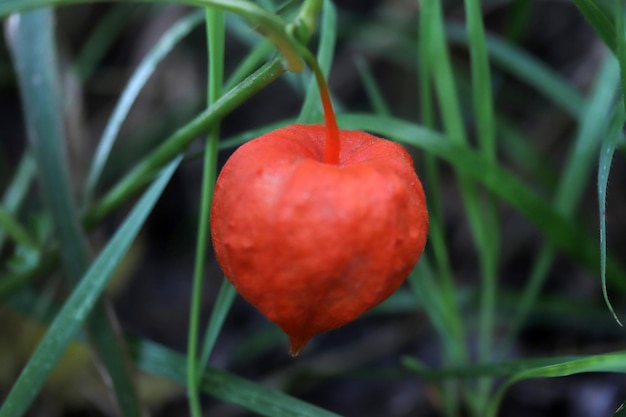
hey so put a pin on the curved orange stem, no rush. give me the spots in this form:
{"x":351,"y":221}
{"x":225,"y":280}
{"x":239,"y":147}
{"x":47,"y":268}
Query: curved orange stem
{"x":331,"y":151}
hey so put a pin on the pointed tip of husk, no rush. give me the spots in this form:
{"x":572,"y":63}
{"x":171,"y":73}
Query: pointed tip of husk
{"x":297,"y":343}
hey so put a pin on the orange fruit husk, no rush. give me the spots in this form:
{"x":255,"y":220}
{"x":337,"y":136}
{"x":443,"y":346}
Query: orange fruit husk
{"x":314,"y":245}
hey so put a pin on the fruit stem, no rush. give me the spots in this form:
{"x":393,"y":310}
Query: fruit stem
{"x":331,"y":151}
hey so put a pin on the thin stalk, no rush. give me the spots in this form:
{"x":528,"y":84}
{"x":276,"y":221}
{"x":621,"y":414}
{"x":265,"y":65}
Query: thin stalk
{"x":480,"y":226}
{"x":332,"y":146}
{"x":456,"y":352}
{"x":438,"y":244}
{"x":215,"y":39}
{"x":485,"y":127}
{"x":332,"y":149}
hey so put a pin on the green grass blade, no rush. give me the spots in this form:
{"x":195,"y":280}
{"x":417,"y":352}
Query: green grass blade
{"x":600,"y":20}
{"x":215,"y":28}
{"x":34,"y":54}
{"x":481,"y":80}
{"x":159,"y":360}
{"x":609,"y":144}
{"x":566,"y":235}
{"x":136,"y":83}
{"x":482,"y":230}
{"x":494,"y":369}
{"x":450,"y":329}
{"x":593,"y":124}
{"x":518,"y":370}
{"x":441,"y":70}
{"x":35,"y":59}
{"x":423,"y":287}
{"x":482,"y":98}
{"x":311,"y":108}
{"x":620,"y":35}
{"x":74,"y":312}
{"x":225,"y":386}
{"x":604,"y":166}
{"x":222,"y":305}
{"x":453,"y":328}
{"x":435,"y":209}
{"x":574,"y":178}
{"x":608,"y":362}
{"x":16,"y":191}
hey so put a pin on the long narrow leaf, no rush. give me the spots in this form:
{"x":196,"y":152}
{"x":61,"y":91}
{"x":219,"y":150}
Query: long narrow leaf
{"x":495,"y":369}
{"x":74,"y":312}
{"x":575,"y":176}
{"x":136,"y":83}
{"x":223,"y":303}
{"x":620,"y":40}
{"x":609,"y":362}
{"x":35,"y":61}
{"x":454,"y":336}
{"x":604,"y":166}
{"x":34,"y":52}
{"x":518,"y":370}
{"x":215,"y":30}
{"x":225,"y":386}
{"x":482,"y":99}
{"x":480,"y":219}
